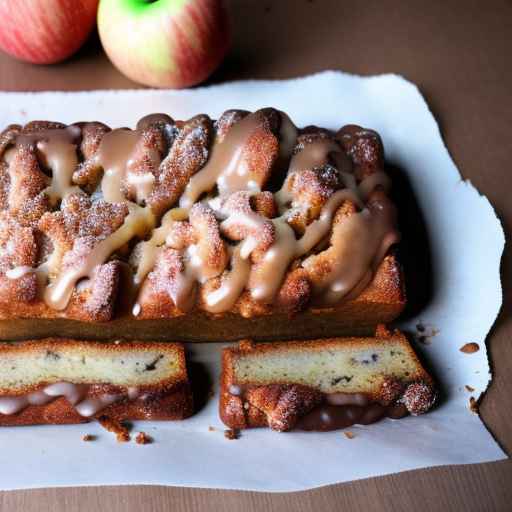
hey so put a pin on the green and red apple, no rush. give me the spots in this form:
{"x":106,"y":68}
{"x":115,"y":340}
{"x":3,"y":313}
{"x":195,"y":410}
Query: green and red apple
{"x":45,"y":31}
{"x":164,"y":43}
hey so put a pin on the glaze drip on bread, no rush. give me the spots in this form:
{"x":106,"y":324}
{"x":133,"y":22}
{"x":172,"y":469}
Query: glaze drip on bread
{"x":74,"y":393}
{"x":188,"y":209}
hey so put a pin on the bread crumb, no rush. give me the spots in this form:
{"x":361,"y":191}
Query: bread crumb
{"x":211,"y":429}
{"x":349,"y":435}
{"x":470,"y":348}
{"x":473,"y":405}
{"x":122,"y":437}
{"x":143,"y":438}
{"x":231,"y":434}
{"x":469,"y":388}
{"x":89,"y":437}
{"x":116,"y":427}
{"x":420,"y":327}
{"x":425,"y":333}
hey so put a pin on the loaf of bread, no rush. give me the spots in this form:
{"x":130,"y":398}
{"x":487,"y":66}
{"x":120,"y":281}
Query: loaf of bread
{"x":195,"y":230}
{"x":324,"y":384}
{"x":57,"y":381}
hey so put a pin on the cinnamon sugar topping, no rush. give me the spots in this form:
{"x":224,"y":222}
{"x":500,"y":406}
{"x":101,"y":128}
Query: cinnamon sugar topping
{"x":193,"y":213}
{"x":418,"y":398}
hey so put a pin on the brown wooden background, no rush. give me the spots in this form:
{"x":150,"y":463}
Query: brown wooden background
{"x":459,"y":53}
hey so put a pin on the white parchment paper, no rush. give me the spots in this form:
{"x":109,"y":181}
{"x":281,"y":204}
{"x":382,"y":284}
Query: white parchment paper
{"x":466,"y":243}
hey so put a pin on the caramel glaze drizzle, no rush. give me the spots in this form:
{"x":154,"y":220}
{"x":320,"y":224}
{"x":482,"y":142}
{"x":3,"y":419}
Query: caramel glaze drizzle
{"x":328,"y":417}
{"x":361,"y":251}
{"x":59,"y":152}
{"x":114,"y":156}
{"x":227,"y":169}
{"x":233,"y":284}
{"x":75,"y":394}
{"x":340,"y":410}
{"x":363,"y":239}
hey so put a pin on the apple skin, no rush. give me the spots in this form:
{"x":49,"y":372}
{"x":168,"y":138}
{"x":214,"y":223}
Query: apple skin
{"x":164,"y":43}
{"x":45,"y":31}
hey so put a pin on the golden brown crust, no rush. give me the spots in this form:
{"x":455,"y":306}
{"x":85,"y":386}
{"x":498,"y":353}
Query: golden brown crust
{"x":169,"y":399}
{"x":171,"y":152}
{"x":281,"y":405}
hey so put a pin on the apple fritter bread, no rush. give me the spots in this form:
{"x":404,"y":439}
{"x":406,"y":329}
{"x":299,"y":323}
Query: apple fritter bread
{"x":157,"y":231}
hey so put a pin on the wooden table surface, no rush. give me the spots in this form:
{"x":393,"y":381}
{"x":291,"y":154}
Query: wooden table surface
{"x":459,"y":55}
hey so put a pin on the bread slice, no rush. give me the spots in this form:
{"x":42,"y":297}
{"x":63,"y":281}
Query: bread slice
{"x":67,"y":381}
{"x":323,"y":384}
{"x":203,"y":229}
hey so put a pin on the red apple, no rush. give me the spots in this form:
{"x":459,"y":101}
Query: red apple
{"x":164,"y":43}
{"x":45,"y":31}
